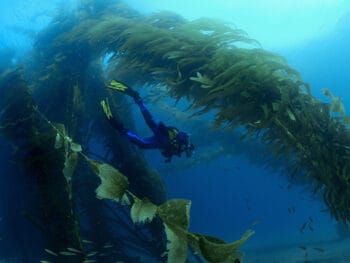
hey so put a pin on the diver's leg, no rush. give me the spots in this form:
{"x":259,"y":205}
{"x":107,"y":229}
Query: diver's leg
{"x":121,"y":87}
{"x":147,"y":115}
{"x":132,"y":137}
{"x":117,"y":125}
{"x":141,"y":142}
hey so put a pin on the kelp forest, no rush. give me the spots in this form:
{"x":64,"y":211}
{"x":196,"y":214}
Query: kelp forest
{"x":91,"y":196}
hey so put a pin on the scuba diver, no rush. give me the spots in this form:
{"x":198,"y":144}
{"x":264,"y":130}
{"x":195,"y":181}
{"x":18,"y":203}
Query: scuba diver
{"x":169,"y":140}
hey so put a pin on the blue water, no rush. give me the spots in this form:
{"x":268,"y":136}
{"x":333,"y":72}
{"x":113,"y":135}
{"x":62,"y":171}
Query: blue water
{"x":230,"y":194}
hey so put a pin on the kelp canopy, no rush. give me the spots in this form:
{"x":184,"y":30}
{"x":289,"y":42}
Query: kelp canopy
{"x":212,"y":65}
{"x":218,"y":67}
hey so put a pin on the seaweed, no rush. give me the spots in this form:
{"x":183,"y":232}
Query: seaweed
{"x":175,"y":217}
{"x":175,"y":214}
{"x":21,"y":123}
{"x":211,"y":64}
{"x":204,"y":61}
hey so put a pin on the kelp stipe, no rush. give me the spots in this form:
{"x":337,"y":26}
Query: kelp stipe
{"x":175,"y":214}
{"x":20,"y":123}
{"x":203,"y":61}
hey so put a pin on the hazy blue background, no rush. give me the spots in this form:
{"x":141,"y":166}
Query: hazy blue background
{"x":314,"y":36}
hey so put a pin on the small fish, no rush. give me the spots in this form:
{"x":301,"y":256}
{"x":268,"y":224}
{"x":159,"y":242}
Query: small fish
{"x":59,"y":57}
{"x":45,"y":261}
{"x":67,"y":253}
{"x":89,"y":261}
{"x":311,"y":228}
{"x":303,"y":247}
{"x":91,"y":254}
{"x":319,"y":249}
{"x":310,"y":219}
{"x":46,"y":77}
{"x":302,"y":229}
{"x":74,"y":250}
{"x":256,"y":222}
{"x":50,"y":252}
{"x":291,"y":210}
{"x":87,"y":241}
{"x":108,"y":246}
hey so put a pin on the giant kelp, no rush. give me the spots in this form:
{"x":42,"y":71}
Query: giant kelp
{"x":21,"y":124}
{"x":216,"y":66}
{"x":173,"y":213}
{"x":49,"y":157}
{"x":114,"y":185}
{"x":66,"y":84}
{"x":63,"y":80}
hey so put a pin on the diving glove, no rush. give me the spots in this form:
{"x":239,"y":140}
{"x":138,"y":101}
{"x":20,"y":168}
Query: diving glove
{"x":121,"y":87}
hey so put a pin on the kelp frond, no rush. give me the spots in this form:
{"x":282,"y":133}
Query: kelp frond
{"x":203,"y":61}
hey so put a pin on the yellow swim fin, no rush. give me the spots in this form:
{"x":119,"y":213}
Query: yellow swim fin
{"x":118,"y":86}
{"x":106,"y":108}
{"x":121,"y":87}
